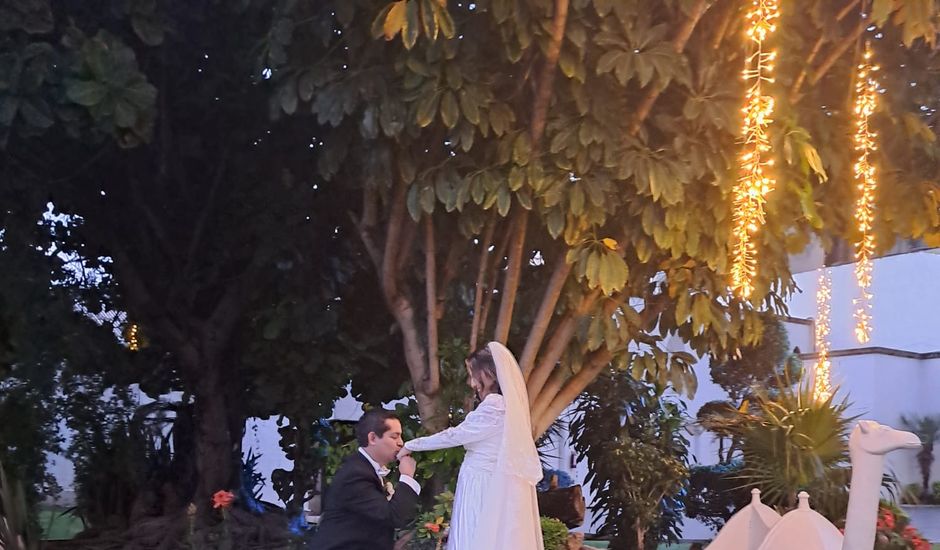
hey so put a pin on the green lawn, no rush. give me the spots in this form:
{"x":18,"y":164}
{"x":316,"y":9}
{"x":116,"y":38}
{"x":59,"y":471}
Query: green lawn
{"x":58,"y":524}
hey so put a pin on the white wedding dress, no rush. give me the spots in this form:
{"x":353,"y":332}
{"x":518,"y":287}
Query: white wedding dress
{"x":495,"y":505}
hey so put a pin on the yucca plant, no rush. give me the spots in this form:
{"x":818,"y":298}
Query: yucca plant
{"x":15,"y":531}
{"x":792,"y":442}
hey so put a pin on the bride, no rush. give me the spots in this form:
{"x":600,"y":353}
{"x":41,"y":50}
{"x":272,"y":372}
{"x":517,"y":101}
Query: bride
{"x":495,"y":506}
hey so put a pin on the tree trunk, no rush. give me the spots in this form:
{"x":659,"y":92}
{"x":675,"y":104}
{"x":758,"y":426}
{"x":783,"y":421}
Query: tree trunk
{"x":640,"y":535}
{"x":213,"y":437}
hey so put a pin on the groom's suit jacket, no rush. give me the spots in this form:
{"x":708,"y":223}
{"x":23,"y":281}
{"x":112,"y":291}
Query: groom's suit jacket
{"x":357,"y":514}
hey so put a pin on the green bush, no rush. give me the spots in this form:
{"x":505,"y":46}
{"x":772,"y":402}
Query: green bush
{"x":554,"y":534}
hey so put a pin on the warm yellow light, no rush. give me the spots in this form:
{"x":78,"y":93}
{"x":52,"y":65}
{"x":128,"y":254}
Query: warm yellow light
{"x":132,"y":342}
{"x":866,"y":99}
{"x":754,"y":181}
{"x":822,"y":384}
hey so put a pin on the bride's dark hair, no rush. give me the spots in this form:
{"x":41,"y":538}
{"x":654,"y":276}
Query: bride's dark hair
{"x":482,"y":361}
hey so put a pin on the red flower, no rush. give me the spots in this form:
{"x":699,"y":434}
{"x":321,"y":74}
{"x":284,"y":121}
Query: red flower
{"x":432,"y":527}
{"x":223,"y":499}
{"x":888,"y":519}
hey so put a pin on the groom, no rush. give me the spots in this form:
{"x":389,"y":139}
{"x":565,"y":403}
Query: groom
{"x":361,"y":511}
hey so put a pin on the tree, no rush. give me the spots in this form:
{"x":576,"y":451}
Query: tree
{"x":146,"y":125}
{"x":556,"y":174}
{"x":927,"y":429}
{"x":637,"y":457}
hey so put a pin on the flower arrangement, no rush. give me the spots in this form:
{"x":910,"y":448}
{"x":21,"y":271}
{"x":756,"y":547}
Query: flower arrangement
{"x":433,"y":524}
{"x":895,"y":532}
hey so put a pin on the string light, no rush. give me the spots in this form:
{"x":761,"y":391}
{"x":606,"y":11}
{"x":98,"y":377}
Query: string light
{"x":133,"y":343}
{"x":866,"y":99}
{"x":822,"y":384}
{"x":755,"y":181}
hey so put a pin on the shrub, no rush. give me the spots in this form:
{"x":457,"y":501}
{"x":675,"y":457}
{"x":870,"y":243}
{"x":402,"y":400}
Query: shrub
{"x":895,"y":531}
{"x":554,"y":534}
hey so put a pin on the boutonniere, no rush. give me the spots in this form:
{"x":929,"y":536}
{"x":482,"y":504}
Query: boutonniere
{"x":389,"y":490}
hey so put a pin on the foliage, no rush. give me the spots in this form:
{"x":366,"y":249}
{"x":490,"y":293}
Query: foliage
{"x":194,"y":212}
{"x":715,"y":493}
{"x":758,"y":365}
{"x":631,"y":436}
{"x":554,"y":534}
{"x":17,"y":532}
{"x":587,"y":216}
{"x":927,"y":428}
{"x":433,"y":524}
{"x":894,"y":531}
{"x":792,"y":442}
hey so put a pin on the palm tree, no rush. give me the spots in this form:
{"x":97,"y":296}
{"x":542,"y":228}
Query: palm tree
{"x":927,"y":429}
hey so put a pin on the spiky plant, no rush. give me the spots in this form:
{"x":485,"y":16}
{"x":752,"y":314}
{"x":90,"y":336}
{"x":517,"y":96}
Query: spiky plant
{"x":792,"y":442}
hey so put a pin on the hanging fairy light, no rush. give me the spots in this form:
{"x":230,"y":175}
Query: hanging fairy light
{"x":755,"y":180}
{"x":133,"y":343}
{"x":822,"y":384}
{"x":866,"y":99}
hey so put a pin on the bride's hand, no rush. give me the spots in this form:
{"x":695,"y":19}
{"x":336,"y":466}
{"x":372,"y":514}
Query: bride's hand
{"x":403,"y":452}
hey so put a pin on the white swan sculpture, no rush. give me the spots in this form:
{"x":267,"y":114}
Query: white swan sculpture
{"x":806,"y":529}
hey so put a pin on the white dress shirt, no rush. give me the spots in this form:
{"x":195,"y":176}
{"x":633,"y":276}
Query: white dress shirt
{"x":382,"y":471}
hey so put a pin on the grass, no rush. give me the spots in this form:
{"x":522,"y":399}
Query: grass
{"x":59,"y":524}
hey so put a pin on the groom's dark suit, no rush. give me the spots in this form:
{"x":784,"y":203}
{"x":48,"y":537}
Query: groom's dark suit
{"x":357,"y":515}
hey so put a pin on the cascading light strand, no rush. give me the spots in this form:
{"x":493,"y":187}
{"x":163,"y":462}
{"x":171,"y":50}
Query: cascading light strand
{"x":755,"y":180}
{"x":866,"y":100}
{"x":822,"y":383}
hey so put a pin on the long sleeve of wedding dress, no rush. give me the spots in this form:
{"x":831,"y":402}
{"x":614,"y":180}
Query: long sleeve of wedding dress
{"x":483,"y":422}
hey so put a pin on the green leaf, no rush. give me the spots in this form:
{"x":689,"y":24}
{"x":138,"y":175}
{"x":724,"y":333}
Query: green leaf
{"x":428,"y":199}
{"x":412,"y":25}
{"x":516,"y":178}
{"x":576,"y":200}
{"x":444,"y":21}
{"x":414,"y":208}
{"x":468,"y":106}
{"x":555,"y":222}
{"x":125,"y":115}
{"x":86,"y":93}
{"x":811,"y":155}
{"x":450,"y":111}
{"x":503,"y":200}
{"x":427,"y":107}
{"x":148,"y":29}
{"x":428,"y":19}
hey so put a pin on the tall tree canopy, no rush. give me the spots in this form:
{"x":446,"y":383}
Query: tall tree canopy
{"x":557,"y":173}
{"x":146,"y":124}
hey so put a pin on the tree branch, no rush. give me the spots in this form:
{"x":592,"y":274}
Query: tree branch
{"x":493,"y":277}
{"x":557,"y":344}
{"x":543,"y":94}
{"x":798,"y":83}
{"x":678,"y":44}
{"x":513,"y":275}
{"x":481,"y":279}
{"x":393,"y":232}
{"x":430,"y":273}
{"x":545,"y":312}
{"x":836,"y":53}
{"x":572,"y":389}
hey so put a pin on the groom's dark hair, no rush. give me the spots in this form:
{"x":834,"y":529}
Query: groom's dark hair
{"x":373,"y":421}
